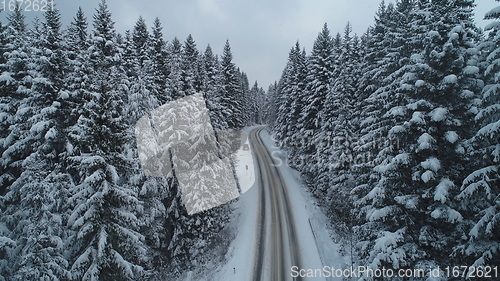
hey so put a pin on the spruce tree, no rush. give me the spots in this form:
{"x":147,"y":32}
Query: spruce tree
{"x":339,"y":132}
{"x":479,"y":190}
{"x":15,"y":86}
{"x":141,"y":90}
{"x":320,"y":73}
{"x":419,"y":182}
{"x":6,"y":244}
{"x":257,"y":95}
{"x":158,"y":54}
{"x":299,"y":95}
{"x":105,"y":244}
{"x":77,"y":32}
{"x":190,"y":79}
{"x":213,"y":90}
{"x":41,"y":187}
{"x":284,"y":100}
{"x":174,"y":82}
{"x":232,"y":96}
{"x":17,"y":21}
{"x":140,"y":37}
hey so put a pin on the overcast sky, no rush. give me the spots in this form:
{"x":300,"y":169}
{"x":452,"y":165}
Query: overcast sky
{"x":261,"y":32}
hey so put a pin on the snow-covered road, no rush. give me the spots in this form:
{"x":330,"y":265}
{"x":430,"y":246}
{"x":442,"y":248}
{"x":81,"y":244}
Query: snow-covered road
{"x":277,"y":244}
{"x":280,"y":230}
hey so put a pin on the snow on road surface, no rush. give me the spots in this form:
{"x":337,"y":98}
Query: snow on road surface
{"x":252,"y":257}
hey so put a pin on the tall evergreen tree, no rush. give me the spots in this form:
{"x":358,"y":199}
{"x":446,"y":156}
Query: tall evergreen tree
{"x":174,"y":82}
{"x":190,"y":78}
{"x":299,"y":93}
{"x":77,"y":32}
{"x":480,"y":189}
{"x":158,"y":54}
{"x":140,"y":37}
{"x":213,"y":90}
{"x":103,"y":35}
{"x":15,"y":84}
{"x":142,"y":95}
{"x":418,"y":184}
{"x":338,"y":131}
{"x":35,"y":203}
{"x":232,"y":96}
{"x":285,"y":98}
{"x":105,"y":244}
{"x":257,"y":95}
{"x":320,"y":73}
{"x":17,"y":21}
{"x":6,"y":244}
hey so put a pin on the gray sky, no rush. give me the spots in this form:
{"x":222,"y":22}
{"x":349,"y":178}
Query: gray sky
{"x":261,"y":32}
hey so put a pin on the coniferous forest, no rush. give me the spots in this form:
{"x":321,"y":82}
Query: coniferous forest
{"x":75,"y":204}
{"x":395,"y":131}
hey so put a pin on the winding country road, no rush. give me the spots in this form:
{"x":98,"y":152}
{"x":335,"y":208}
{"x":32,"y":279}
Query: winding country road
{"x":277,"y":243}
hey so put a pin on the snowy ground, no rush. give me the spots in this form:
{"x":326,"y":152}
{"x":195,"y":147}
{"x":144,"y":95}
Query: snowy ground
{"x":244,"y":164}
{"x":316,"y":246}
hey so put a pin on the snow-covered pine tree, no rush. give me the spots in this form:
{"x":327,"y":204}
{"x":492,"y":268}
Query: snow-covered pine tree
{"x":232,"y":96}
{"x":140,"y":37}
{"x":257,"y":95}
{"x":17,"y":21}
{"x":320,"y":73}
{"x":77,"y":35}
{"x":143,"y":92}
{"x":78,"y":70}
{"x":128,"y":57}
{"x":6,"y":244}
{"x":338,"y":131}
{"x":203,"y":180}
{"x":284,"y":100}
{"x":300,"y":94}
{"x":190,"y":79}
{"x":245,"y":97}
{"x":213,"y":90}
{"x":395,"y":36}
{"x":413,"y":200}
{"x":105,"y":244}
{"x":40,"y":253}
{"x":375,"y":71}
{"x":478,"y":198}
{"x":4,"y":40}
{"x":6,"y":110}
{"x":271,"y":105}
{"x":37,"y":196}
{"x":141,"y":98}
{"x":174,"y":82}
{"x":158,"y":54}
{"x":389,"y":45}
{"x":15,"y":83}
{"x":200,"y":73}
{"x":10,"y":63}
{"x":290,"y":104}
